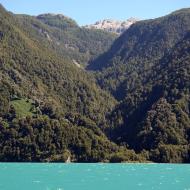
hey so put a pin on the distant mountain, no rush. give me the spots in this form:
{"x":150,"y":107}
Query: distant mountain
{"x":62,"y":34}
{"x":113,"y":26}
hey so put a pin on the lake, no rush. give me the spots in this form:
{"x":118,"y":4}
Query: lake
{"x":94,"y":177}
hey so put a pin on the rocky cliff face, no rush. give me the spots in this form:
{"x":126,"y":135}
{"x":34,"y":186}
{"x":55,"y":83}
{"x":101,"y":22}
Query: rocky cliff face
{"x":114,"y":26}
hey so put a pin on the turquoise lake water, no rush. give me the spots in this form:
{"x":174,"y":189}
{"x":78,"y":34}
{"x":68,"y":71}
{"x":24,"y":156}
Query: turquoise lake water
{"x":94,"y":177}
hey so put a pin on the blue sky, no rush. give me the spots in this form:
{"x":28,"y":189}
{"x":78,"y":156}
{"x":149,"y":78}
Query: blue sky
{"x":89,"y":11}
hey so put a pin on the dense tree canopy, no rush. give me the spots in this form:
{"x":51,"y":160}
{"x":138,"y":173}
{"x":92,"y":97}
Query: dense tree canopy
{"x":52,"y":109}
{"x":148,"y":71}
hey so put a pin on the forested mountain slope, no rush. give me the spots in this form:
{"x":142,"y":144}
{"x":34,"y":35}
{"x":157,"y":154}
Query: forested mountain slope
{"x":37,"y":72}
{"x":49,"y":108}
{"x":68,"y":39}
{"x":131,"y":57}
{"x":158,"y":113}
{"x":52,"y":109}
{"x":148,"y":70}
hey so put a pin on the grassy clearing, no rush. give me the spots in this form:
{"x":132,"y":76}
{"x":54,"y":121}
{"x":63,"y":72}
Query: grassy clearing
{"x":23,"y":107}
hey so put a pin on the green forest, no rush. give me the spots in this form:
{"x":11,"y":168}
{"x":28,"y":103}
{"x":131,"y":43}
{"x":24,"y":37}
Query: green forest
{"x":93,"y":96}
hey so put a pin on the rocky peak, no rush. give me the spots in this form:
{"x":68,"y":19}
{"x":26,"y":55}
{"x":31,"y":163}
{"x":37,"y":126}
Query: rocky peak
{"x":111,"y":25}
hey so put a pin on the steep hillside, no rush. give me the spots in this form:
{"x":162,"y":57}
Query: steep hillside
{"x":148,"y":70}
{"x":132,"y":56}
{"x":162,"y":101}
{"x":67,"y":38}
{"x":37,"y":72}
{"x":49,"y":108}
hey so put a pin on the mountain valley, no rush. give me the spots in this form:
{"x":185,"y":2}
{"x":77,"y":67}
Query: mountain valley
{"x":92,"y":95}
